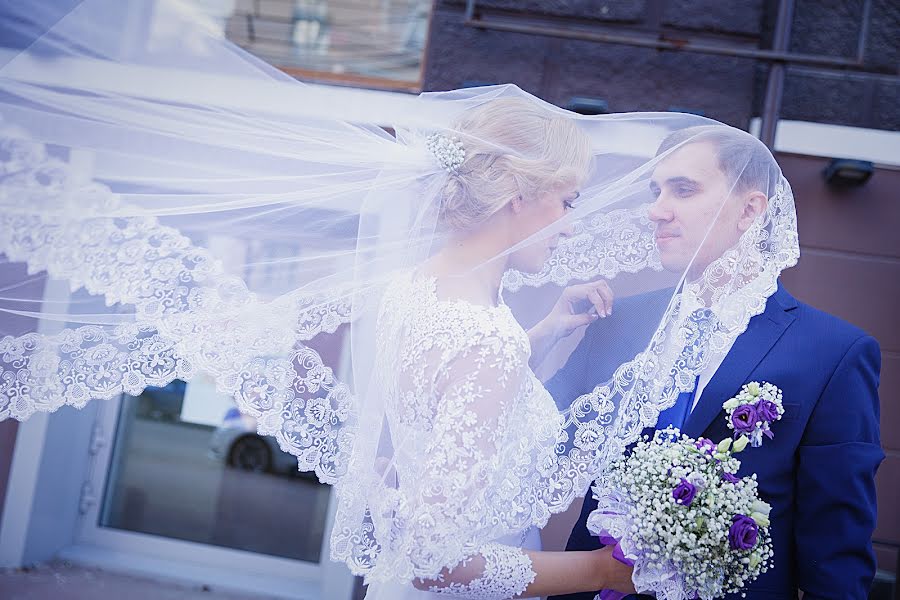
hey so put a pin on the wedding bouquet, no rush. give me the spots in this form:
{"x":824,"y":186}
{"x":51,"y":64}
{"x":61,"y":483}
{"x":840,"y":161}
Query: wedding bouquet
{"x":675,"y":509}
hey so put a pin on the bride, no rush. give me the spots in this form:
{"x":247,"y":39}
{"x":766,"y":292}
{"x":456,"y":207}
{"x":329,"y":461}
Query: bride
{"x":203,"y":213}
{"x":459,"y":392}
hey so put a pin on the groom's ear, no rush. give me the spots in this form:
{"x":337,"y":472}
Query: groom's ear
{"x":755,"y":204}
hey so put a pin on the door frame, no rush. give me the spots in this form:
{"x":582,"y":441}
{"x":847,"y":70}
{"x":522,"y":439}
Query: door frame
{"x":193,"y":562}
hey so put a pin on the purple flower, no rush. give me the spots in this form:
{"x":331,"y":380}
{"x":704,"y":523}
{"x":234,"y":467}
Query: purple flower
{"x":744,"y":418}
{"x":766,"y":411}
{"x":684,"y":492}
{"x":705,"y":445}
{"x":730,"y":478}
{"x":743,"y":532}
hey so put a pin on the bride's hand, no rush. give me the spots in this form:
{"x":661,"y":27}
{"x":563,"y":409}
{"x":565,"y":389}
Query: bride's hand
{"x":580,"y":305}
{"x":577,"y":306}
{"x":613,"y":574}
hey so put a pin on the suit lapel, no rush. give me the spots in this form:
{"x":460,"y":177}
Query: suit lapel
{"x":746,"y":353}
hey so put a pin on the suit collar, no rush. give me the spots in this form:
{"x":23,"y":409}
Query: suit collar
{"x":783,"y":298}
{"x":747,"y":351}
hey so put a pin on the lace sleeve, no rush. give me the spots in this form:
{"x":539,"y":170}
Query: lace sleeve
{"x":498,"y":572}
{"x":458,"y":494}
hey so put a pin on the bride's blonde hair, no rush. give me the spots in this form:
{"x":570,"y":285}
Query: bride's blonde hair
{"x":513,"y":147}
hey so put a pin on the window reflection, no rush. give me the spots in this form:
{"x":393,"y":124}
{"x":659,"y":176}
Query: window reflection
{"x":190,"y":467}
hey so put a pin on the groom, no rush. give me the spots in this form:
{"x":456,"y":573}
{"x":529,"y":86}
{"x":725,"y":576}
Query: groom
{"x":818,"y":472}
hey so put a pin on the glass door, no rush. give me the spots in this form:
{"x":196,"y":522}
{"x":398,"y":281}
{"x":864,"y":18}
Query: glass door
{"x":210,"y":480}
{"x":181,"y":480}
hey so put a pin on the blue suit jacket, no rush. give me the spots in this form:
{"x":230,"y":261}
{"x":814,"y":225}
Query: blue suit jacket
{"x":818,"y":473}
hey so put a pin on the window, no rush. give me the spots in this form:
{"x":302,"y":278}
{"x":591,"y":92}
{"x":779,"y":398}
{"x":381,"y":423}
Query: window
{"x":368,"y":43}
{"x":187,"y":465}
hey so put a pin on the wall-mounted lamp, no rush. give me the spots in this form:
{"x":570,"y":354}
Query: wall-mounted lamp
{"x":846,"y":172}
{"x":588,"y":106}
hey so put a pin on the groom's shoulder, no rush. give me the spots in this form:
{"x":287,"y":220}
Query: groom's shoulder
{"x":825,"y":328}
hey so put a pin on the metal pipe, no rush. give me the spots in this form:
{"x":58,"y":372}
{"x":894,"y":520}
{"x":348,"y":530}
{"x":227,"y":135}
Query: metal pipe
{"x":863,"y":32}
{"x":775,"y":83}
{"x":686,"y":45}
{"x":470,"y":10}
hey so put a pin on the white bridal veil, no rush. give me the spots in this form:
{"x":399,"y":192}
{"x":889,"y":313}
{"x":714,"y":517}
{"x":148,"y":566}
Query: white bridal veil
{"x":171,"y":206}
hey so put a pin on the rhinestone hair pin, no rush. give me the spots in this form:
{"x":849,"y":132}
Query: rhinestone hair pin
{"x":449,"y":151}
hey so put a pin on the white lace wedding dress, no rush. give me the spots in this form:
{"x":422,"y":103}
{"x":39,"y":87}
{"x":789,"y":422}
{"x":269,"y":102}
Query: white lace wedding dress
{"x":468,"y":410}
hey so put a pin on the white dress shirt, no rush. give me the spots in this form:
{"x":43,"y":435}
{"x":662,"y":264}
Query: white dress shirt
{"x":705,"y":376}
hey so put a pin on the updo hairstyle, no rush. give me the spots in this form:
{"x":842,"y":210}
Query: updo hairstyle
{"x":513,"y":147}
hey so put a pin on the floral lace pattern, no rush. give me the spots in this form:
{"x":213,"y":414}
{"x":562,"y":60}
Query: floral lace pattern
{"x":507,"y":573}
{"x":474,"y":440}
{"x":43,"y":373}
{"x":189,"y":315}
{"x":603,"y":245}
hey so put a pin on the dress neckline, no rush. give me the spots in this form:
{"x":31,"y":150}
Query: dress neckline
{"x":430,"y":283}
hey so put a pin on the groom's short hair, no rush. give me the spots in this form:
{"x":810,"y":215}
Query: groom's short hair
{"x":744,"y":159}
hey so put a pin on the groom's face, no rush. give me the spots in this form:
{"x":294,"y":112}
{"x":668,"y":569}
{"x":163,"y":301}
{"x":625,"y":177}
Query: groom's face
{"x":696,"y":218}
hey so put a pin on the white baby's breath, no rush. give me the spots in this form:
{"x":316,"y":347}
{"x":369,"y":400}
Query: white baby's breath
{"x":682,"y":550}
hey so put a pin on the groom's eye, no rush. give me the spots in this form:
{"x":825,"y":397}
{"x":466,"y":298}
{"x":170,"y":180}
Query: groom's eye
{"x":685,"y":191}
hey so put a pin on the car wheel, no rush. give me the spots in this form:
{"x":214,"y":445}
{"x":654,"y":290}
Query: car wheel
{"x":250,"y":453}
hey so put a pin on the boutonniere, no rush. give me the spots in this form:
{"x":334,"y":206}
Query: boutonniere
{"x":753,"y":411}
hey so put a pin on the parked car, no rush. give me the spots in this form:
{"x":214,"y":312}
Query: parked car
{"x":236,"y":443}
